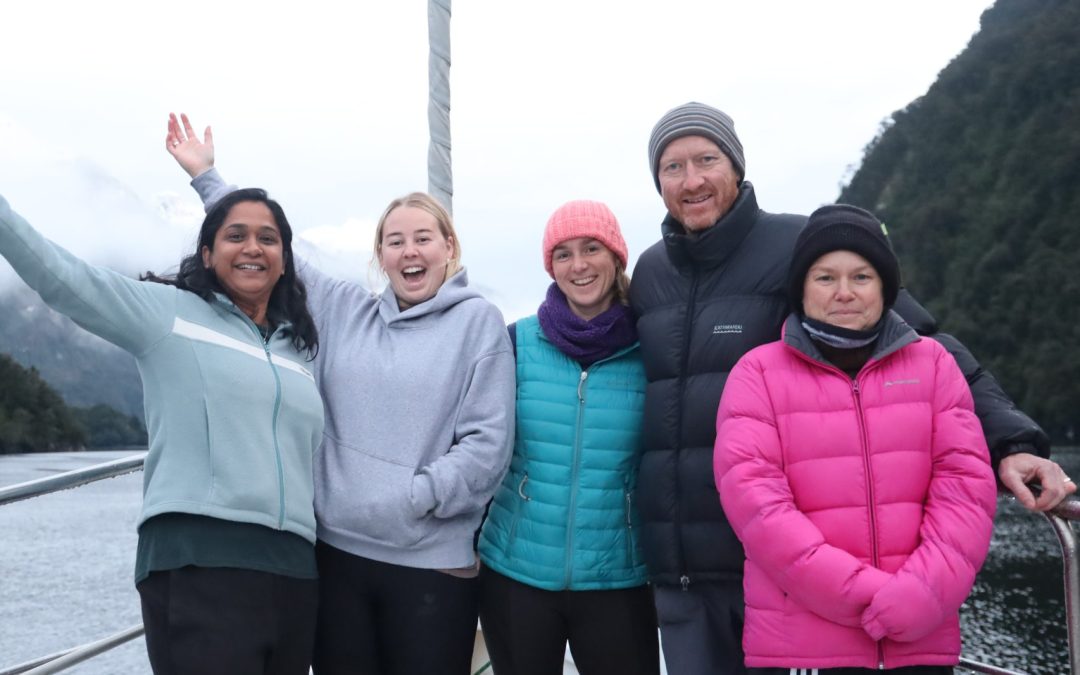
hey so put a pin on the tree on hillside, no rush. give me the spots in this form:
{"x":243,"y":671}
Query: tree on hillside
{"x":979,"y":181}
{"x":33,"y":417}
{"x":107,"y":427}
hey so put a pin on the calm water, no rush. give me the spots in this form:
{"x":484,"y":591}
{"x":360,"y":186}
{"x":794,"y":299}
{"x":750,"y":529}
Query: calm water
{"x":66,"y":575}
{"x":67,"y":565}
{"x":1015,"y":616}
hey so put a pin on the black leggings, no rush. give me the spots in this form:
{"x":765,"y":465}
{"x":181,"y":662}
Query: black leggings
{"x":382,"y":619}
{"x":226,"y":621}
{"x":526,"y":629}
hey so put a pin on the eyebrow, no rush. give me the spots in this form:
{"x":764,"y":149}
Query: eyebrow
{"x":398,"y":233}
{"x":242,"y":225}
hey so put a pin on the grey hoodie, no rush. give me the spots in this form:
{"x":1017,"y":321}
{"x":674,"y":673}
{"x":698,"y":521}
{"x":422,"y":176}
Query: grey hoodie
{"x":419,"y":408}
{"x":419,"y":420}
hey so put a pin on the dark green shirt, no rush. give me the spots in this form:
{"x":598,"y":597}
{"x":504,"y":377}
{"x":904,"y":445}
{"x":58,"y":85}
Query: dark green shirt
{"x":173,"y":540}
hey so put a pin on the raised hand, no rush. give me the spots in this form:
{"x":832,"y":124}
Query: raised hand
{"x":194,"y":156}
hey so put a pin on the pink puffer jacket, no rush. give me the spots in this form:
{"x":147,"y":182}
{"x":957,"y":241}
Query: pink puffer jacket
{"x":865,"y":507}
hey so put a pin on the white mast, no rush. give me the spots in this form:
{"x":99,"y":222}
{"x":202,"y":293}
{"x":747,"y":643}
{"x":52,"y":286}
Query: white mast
{"x":440,"y":173}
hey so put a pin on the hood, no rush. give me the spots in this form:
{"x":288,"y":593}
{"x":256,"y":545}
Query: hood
{"x":454,"y":290}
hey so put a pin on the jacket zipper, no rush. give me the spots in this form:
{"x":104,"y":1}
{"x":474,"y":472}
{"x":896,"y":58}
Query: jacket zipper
{"x":264,"y":342}
{"x":688,"y":325}
{"x":574,"y":470}
{"x":874,"y":553}
{"x":856,"y":393}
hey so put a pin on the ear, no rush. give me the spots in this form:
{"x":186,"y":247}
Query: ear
{"x":206,"y":257}
{"x":451,"y":246}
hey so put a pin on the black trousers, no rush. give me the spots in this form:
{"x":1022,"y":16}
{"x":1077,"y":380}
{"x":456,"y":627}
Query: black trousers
{"x":382,"y":619}
{"x":225,"y":621}
{"x":701,"y":627}
{"x":526,"y":629}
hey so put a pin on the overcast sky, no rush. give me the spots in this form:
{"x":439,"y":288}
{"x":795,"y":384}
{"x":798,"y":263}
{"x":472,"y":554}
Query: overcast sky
{"x":324,"y":104}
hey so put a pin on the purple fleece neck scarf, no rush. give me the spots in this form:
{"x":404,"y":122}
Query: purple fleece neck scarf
{"x":585,"y":341}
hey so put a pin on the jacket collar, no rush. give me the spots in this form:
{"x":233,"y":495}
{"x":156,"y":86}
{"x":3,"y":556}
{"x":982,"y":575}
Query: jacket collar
{"x":713,"y":246}
{"x":895,"y":335}
{"x":280,"y":323}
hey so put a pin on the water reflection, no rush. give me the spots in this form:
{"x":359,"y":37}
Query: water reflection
{"x":1015,"y":617}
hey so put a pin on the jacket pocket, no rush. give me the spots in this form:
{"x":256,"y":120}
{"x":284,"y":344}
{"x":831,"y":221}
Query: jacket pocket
{"x":519,"y":506}
{"x":370,"y":498}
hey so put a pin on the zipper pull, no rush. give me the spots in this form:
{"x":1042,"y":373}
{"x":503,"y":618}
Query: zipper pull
{"x":581,"y":383}
{"x":685,"y":581}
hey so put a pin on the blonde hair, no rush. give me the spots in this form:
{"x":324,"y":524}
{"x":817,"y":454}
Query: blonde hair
{"x":424,"y":202}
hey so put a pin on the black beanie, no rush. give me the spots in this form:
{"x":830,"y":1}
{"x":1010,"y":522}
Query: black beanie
{"x":844,"y":227}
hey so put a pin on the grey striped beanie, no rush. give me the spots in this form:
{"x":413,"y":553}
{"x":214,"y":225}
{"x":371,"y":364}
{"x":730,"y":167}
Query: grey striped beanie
{"x":695,"y":119}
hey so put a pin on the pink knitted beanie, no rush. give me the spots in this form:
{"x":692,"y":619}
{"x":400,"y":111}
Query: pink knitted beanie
{"x":583,"y":218}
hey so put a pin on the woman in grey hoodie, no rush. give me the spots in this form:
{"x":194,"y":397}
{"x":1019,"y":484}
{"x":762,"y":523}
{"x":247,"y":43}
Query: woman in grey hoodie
{"x":418,"y":385}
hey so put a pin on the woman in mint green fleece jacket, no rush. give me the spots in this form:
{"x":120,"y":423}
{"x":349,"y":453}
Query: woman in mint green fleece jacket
{"x":418,"y":384}
{"x":225,"y":564}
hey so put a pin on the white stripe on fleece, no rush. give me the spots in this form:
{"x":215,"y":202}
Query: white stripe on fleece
{"x":194,"y":331}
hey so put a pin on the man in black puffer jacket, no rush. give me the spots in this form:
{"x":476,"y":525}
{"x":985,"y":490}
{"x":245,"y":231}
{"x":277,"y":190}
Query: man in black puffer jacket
{"x":708,"y":292}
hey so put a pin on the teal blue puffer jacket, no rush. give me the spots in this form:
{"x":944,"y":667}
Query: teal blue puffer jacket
{"x":564,"y":516}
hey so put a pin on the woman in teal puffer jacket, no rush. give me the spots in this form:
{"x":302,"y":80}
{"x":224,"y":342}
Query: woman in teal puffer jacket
{"x":560,"y":555}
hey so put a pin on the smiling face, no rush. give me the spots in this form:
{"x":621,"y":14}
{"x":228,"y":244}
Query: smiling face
{"x":843,"y":289}
{"x":247,"y":257}
{"x":697,"y":181}
{"x":585,"y":271}
{"x":414,"y":253}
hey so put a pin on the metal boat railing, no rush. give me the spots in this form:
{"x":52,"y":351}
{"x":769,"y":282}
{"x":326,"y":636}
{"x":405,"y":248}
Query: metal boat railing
{"x":71,"y":479}
{"x":54,"y":663}
{"x":59,"y":661}
{"x":1060,"y":518}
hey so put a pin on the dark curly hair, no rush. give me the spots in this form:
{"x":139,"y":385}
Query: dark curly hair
{"x":289,"y":297}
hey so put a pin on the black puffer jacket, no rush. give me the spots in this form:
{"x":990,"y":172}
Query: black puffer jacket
{"x":1008,"y":429}
{"x":702,"y":301}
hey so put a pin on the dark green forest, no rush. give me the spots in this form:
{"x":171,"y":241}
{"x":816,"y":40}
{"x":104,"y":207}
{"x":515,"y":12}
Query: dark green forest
{"x":978,"y":181}
{"x":34,"y":418}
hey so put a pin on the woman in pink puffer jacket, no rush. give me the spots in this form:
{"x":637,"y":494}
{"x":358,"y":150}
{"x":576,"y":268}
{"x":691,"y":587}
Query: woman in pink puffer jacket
{"x":852,"y":467}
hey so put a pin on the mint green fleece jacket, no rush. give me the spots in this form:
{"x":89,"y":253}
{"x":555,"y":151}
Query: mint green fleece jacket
{"x":233,"y":421}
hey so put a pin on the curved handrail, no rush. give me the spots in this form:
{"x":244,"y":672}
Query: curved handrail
{"x":1060,"y":518}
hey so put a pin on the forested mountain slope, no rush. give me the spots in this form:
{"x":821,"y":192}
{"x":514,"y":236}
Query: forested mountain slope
{"x":978,"y":182}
